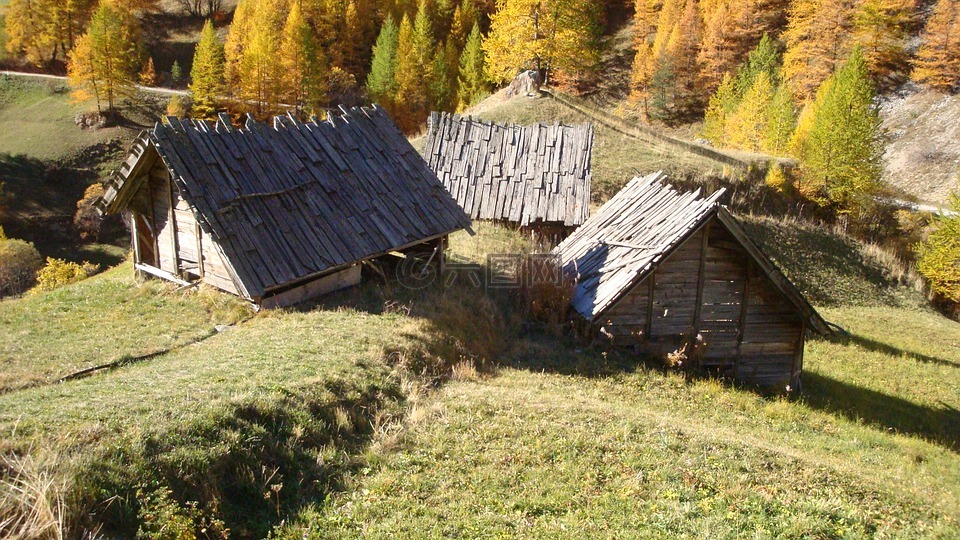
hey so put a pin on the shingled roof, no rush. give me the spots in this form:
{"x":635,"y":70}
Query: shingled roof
{"x":522,"y":174}
{"x":639,"y":228}
{"x":296,"y":199}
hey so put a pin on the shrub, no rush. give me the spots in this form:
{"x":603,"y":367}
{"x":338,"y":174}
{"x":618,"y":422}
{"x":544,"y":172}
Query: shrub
{"x":88,"y":219}
{"x":162,"y":518}
{"x":938,"y":258}
{"x":19,"y":262}
{"x":59,"y":272}
{"x":545,"y":292}
{"x":177,"y":107}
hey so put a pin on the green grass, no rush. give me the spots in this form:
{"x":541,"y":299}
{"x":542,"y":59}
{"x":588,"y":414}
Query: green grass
{"x":49,"y":335}
{"x":547,"y":449}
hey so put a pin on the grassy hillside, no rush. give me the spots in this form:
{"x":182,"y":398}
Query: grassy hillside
{"x":46,"y":161}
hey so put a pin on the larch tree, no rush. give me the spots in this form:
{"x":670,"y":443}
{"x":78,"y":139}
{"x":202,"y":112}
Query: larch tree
{"x":747,"y":127}
{"x":237,"y":40}
{"x":781,"y":120}
{"x":938,"y":61}
{"x":412,"y":101}
{"x":682,"y":49}
{"x":46,"y":30}
{"x":303,"y":63}
{"x":721,"y":105}
{"x":765,"y":58}
{"x":360,"y":34}
{"x":382,"y":80}
{"x":260,"y":71}
{"x":103,"y":65}
{"x":881,"y":30}
{"x":546,"y":35}
{"x":472,"y":76}
{"x":818,"y":38}
{"x":206,"y":75}
{"x":646,"y":13}
{"x":841,"y":155}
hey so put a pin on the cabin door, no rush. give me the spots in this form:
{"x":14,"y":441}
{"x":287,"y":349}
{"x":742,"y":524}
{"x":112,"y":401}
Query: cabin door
{"x":145,"y":241}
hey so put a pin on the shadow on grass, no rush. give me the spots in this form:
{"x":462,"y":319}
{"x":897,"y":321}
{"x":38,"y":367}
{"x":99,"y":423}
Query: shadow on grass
{"x":938,"y":425}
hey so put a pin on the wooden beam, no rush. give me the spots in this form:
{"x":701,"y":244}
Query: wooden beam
{"x":744,"y":309}
{"x":199,"y":232}
{"x":797,"y":371}
{"x":698,"y":307}
{"x":162,"y":274}
{"x":172,"y":223}
{"x":651,"y":287}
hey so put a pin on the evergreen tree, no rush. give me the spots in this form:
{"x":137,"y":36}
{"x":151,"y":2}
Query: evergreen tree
{"x":472,"y":79}
{"x":206,"y":85}
{"x":880,"y":29}
{"x":176,"y":74}
{"x":938,"y":258}
{"x":818,"y":38}
{"x":765,"y":58}
{"x":382,"y":81}
{"x":805,"y":122}
{"x":302,"y":62}
{"x":938,"y":60}
{"x":841,"y":155}
{"x":443,"y":81}
{"x":103,"y":65}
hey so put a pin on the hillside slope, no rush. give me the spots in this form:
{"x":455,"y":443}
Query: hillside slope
{"x":923,"y":149}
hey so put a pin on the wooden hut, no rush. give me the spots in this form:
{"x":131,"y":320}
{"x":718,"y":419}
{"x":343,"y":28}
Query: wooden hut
{"x":277,"y":214}
{"x":656,"y":268}
{"x":533,"y":176}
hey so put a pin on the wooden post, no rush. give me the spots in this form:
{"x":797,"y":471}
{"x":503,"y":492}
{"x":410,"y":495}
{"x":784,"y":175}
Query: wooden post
{"x":798,"y":359}
{"x":199,"y":231}
{"x":136,"y":243}
{"x":651,"y":286}
{"x":744,"y":308}
{"x":698,"y":308}
{"x":172,"y":223}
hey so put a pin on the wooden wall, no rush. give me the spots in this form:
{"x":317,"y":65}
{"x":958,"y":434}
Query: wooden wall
{"x":710,"y":286}
{"x":183,"y":248}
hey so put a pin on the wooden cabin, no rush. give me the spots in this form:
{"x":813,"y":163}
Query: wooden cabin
{"x":278,"y":214}
{"x":660,"y":271}
{"x":535,"y":177}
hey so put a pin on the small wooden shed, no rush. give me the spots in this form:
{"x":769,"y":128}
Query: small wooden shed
{"x":278,"y":214}
{"x":534,"y":176}
{"x":656,"y":268}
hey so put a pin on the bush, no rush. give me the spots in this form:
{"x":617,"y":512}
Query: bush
{"x":19,"y":262}
{"x":59,"y":272}
{"x":939,"y":256}
{"x":545,"y":292}
{"x":88,"y":219}
{"x":177,"y":106}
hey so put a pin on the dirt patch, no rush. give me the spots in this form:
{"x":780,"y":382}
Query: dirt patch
{"x":923,"y":143}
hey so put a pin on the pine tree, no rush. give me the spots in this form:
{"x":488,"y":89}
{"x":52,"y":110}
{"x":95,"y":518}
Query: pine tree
{"x":765,"y":58}
{"x":301,"y":59}
{"x":818,"y":38}
{"x":842,"y":152}
{"x":382,"y":81}
{"x":938,"y":60}
{"x":938,"y":256}
{"x":176,"y":74}
{"x":472,"y":79}
{"x":781,"y":120}
{"x":747,"y":127}
{"x":206,"y":85}
{"x":880,"y":29}
{"x":103,"y":65}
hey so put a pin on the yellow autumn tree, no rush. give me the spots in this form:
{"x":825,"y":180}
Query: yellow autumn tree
{"x":880,"y":29}
{"x":44,"y":31}
{"x":938,"y":60}
{"x":206,"y":84}
{"x":818,"y":38}
{"x":252,"y":49}
{"x":103,"y":65}
{"x":747,"y":127}
{"x":303,"y":64}
{"x":546,"y":35}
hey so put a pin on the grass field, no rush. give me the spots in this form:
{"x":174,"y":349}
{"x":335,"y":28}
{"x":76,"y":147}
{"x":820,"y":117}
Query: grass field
{"x":545,"y":449}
